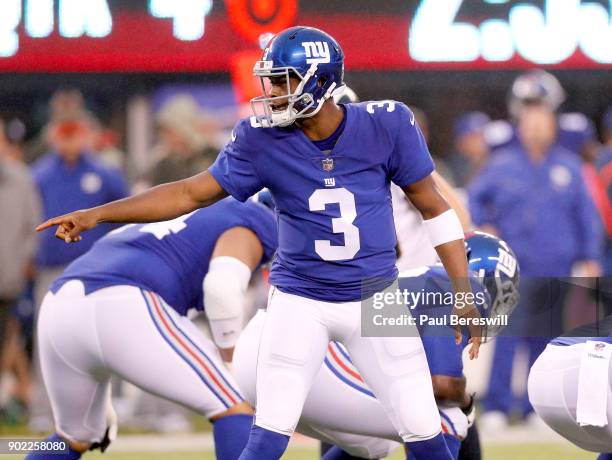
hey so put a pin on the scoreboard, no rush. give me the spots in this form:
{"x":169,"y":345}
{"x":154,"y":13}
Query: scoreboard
{"x":207,"y":35}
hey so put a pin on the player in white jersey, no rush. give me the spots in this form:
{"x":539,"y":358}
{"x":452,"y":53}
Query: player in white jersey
{"x":413,"y":243}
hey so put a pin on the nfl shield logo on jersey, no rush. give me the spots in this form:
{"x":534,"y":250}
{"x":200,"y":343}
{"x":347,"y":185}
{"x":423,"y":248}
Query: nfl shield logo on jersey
{"x":328,"y":164}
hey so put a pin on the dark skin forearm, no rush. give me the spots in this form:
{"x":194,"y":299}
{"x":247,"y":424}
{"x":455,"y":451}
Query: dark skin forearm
{"x":427,"y":198}
{"x":163,"y":202}
{"x":450,"y":390}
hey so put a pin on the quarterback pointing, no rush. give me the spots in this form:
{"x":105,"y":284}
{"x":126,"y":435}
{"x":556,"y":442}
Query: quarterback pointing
{"x":329,"y":169}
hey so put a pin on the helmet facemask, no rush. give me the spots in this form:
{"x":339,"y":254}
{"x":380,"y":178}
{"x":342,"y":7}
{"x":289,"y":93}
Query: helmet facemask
{"x":504,"y":299}
{"x":300,"y":103}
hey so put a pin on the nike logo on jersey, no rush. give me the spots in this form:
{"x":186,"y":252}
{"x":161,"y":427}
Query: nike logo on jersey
{"x":412,"y":118}
{"x":233,"y":135}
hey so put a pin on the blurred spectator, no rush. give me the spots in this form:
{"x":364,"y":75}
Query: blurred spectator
{"x":575,"y":131}
{"x":62,"y":103}
{"x":104,"y":143}
{"x":604,"y":168}
{"x":533,"y":195}
{"x":68,"y":177}
{"x":186,"y":141}
{"x":471,"y":150}
{"x":20,"y":210}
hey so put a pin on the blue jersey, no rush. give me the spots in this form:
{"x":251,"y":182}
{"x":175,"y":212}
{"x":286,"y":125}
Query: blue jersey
{"x":528,"y":202}
{"x":170,"y":258}
{"x":336,"y":230}
{"x":600,"y":331}
{"x":443,"y":354}
{"x":63,"y":189}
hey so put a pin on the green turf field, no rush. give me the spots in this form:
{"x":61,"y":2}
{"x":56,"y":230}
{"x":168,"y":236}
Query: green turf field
{"x":496,"y":452}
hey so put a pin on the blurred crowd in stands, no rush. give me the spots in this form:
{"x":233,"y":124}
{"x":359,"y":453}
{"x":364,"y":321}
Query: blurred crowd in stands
{"x":542,"y":180}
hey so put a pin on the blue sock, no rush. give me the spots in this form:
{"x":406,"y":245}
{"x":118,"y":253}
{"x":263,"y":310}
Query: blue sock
{"x":605,"y":457}
{"x":453,"y":444}
{"x":335,"y":453}
{"x":432,"y":449}
{"x":70,"y":454}
{"x":231,"y":434}
{"x":264,"y":445}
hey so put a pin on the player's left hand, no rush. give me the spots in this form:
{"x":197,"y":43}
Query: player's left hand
{"x":469,"y":313}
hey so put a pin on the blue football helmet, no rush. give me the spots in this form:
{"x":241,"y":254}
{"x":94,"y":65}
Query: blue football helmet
{"x":305,"y":53}
{"x":495,"y":264}
{"x":535,"y":86}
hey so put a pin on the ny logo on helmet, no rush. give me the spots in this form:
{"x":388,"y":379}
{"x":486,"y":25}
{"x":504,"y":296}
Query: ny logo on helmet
{"x":317,"y":52}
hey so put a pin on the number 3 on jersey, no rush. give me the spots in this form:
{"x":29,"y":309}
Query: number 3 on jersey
{"x":343,"y":224}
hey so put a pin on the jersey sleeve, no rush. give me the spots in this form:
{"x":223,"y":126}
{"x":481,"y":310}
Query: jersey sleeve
{"x":235,"y":168}
{"x":263,"y":222}
{"x":410,"y":160}
{"x":443,"y":355}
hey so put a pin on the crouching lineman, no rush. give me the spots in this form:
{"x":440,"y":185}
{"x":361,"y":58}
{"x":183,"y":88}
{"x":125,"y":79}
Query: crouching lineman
{"x":341,"y":409}
{"x":570,"y":387}
{"x":121,"y":309}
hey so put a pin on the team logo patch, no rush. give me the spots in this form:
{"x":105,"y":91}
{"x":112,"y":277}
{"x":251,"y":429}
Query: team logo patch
{"x":600,"y":346}
{"x":560,"y":176}
{"x":317,"y":52}
{"x":91,"y":183}
{"x":328,"y":164}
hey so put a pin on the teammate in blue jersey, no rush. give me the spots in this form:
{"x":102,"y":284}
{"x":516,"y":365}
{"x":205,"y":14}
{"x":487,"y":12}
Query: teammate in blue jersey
{"x":122,"y":307}
{"x":341,"y":408}
{"x":329,"y":169}
{"x":570,"y":386}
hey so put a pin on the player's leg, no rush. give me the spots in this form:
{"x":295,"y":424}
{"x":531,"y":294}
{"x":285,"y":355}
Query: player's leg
{"x":73,"y":372}
{"x":470,"y":446}
{"x":454,"y":429}
{"x":553,"y":391}
{"x":292,"y":348}
{"x":147,"y":343}
{"x":335,"y":453}
{"x":396,"y":370}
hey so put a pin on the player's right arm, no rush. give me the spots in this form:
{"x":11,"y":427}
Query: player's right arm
{"x":163,"y":202}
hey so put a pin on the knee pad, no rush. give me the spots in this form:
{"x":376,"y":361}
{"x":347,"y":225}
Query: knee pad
{"x":225,"y":287}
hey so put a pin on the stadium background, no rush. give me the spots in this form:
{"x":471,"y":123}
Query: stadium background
{"x":132,"y":58}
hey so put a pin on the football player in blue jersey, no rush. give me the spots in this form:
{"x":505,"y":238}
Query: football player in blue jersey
{"x":122,"y":307}
{"x":329,"y":169}
{"x":570,"y":386}
{"x":340,"y":407}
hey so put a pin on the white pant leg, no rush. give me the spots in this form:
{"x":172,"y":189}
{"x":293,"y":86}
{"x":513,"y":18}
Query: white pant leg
{"x":340,"y":408}
{"x":553,"y":392}
{"x":292,"y":348}
{"x":125,"y":331}
{"x":73,"y":371}
{"x":396,"y":370}
{"x":331,"y":406}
